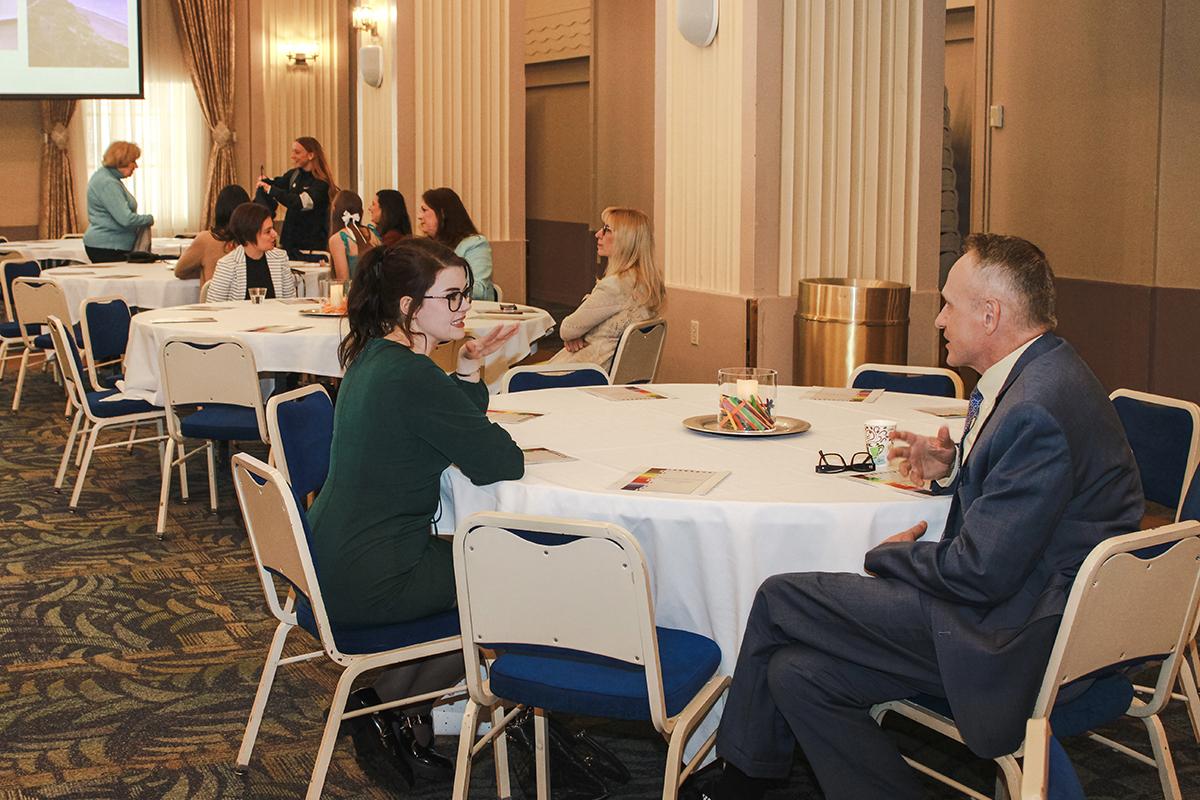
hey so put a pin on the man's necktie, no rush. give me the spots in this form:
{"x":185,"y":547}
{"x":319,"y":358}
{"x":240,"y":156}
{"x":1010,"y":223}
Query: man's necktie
{"x":972,"y":415}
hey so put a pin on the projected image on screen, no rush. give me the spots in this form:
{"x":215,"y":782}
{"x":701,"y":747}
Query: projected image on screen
{"x":8,"y":24}
{"x":78,"y":33}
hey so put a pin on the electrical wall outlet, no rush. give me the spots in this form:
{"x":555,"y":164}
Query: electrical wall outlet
{"x":696,"y":332}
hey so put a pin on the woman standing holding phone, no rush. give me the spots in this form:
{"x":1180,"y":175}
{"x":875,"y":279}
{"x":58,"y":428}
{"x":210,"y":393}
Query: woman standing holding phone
{"x":306,"y":192}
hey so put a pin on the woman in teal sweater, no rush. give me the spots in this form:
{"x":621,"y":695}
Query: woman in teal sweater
{"x":400,"y":421}
{"x":113,"y":220}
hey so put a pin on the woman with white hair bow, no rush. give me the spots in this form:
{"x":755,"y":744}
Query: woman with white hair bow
{"x":353,"y":238}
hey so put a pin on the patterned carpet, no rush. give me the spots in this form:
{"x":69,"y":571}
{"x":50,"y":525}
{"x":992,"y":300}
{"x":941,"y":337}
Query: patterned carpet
{"x":127,"y":665}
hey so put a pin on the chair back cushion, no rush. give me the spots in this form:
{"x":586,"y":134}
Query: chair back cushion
{"x":1161,"y":439}
{"x":301,"y":427}
{"x":932,"y":385}
{"x":14,"y":269}
{"x":105,"y":326}
{"x":550,"y":378}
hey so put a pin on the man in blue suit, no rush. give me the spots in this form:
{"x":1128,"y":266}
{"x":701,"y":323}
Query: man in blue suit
{"x":1042,"y":474}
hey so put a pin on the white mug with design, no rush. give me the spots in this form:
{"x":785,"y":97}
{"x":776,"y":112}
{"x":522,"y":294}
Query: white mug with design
{"x":879,"y":440}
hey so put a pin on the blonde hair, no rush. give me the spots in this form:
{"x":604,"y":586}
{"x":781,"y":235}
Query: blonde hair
{"x":121,"y":154}
{"x":633,"y":256}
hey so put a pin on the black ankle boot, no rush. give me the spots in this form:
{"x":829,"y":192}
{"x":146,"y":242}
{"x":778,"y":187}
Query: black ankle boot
{"x":422,"y":759}
{"x":375,"y":745}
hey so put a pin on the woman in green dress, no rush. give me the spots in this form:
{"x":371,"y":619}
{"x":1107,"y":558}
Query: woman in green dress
{"x":398,"y":423}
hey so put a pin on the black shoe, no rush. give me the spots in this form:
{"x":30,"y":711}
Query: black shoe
{"x":423,"y":760}
{"x":375,"y":745}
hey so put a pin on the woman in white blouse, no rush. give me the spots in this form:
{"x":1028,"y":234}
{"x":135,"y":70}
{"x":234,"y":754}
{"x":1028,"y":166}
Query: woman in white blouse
{"x":255,"y":263}
{"x":631,"y":290}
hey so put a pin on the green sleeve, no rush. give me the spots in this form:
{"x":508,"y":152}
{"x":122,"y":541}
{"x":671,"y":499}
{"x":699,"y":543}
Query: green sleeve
{"x":451,"y":416}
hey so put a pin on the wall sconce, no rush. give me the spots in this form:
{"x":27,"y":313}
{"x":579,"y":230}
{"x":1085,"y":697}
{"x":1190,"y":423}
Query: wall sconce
{"x":300,"y":53}
{"x":364,"y":20}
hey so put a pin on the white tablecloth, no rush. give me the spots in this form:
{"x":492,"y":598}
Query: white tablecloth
{"x":72,"y":249}
{"x":707,"y":555}
{"x":142,"y":285}
{"x":313,"y":350}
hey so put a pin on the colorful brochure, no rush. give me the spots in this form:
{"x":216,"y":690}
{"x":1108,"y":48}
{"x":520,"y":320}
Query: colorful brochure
{"x":623,"y":393}
{"x":888,"y":478}
{"x":670,"y":481}
{"x":511,"y":417}
{"x":847,"y":395}
{"x":542,"y":455}
{"x":277,"y":329}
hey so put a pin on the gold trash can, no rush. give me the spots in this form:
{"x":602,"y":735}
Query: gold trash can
{"x":844,"y":322}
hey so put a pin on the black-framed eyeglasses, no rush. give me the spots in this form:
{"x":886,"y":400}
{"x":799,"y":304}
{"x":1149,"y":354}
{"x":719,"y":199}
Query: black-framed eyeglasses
{"x":604,"y":229}
{"x":834,"y":462}
{"x":454,"y":300}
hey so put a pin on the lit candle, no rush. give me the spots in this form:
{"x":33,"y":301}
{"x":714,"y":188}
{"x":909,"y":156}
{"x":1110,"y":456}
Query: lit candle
{"x":747,"y":389}
{"x":335,"y":294}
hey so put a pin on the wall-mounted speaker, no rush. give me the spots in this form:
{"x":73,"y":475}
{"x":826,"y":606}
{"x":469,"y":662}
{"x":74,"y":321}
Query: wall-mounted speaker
{"x":697,"y":20}
{"x":370,"y":65}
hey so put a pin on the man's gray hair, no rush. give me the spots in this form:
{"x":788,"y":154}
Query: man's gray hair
{"x":1020,"y":266}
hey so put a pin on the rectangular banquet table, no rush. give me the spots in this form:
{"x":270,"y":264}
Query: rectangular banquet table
{"x":707,"y":555}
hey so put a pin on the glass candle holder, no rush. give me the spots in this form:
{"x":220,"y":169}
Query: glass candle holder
{"x":746,"y":397}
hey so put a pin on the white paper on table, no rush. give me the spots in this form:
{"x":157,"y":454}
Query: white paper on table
{"x":623,"y":393}
{"x":847,"y":395}
{"x":543,"y":455}
{"x":948,"y":412}
{"x":888,"y":479}
{"x":511,"y":417}
{"x":670,"y":481}
{"x":176,"y":320}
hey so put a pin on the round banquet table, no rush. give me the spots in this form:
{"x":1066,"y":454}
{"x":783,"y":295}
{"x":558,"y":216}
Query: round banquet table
{"x":312,"y":349}
{"x":141,"y":285}
{"x":708,"y":554}
{"x":72,"y":249}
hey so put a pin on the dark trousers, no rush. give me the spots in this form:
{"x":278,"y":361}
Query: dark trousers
{"x":102,"y":255}
{"x":819,"y":650}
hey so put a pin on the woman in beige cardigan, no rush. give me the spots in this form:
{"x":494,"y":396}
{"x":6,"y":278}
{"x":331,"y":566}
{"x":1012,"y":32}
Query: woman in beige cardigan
{"x":200,"y":259}
{"x":631,"y":290}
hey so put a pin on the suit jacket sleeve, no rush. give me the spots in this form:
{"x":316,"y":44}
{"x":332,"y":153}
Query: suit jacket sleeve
{"x":1007,"y":527}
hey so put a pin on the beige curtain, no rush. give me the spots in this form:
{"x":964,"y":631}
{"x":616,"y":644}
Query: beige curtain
{"x":57,"y":212}
{"x":206,"y":34}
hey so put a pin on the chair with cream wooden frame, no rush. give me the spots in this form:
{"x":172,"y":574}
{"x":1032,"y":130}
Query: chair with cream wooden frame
{"x":1133,"y":601}
{"x":580,"y":617}
{"x":279,"y":537}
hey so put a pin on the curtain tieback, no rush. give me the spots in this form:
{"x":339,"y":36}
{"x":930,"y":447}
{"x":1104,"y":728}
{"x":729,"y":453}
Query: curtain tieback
{"x":59,"y":136}
{"x":221,"y":135}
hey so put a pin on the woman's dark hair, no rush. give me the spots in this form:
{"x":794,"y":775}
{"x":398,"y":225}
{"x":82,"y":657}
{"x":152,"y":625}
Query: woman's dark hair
{"x":454,"y":223}
{"x":393,"y":213}
{"x":385,"y":275}
{"x":228,"y":199}
{"x":246,"y":221}
{"x":320,"y":164}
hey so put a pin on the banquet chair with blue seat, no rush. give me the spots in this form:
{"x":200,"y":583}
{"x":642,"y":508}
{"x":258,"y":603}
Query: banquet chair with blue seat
{"x":104,"y":323}
{"x":1164,"y":434}
{"x":213,"y":382}
{"x":279,"y":536}
{"x":10,"y":330}
{"x":1047,"y":773}
{"x":35,"y":300}
{"x":94,"y":412}
{"x":1133,"y":602}
{"x":575,"y":634}
{"x":552,"y":376}
{"x":639,"y":352}
{"x":300,"y":427}
{"x":932,"y":381}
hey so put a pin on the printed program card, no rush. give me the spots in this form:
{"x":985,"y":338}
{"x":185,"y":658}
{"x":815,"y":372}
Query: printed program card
{"x":623,"y":393}
{"x":847,"y":395}
{"x":277,"y":329}
{"x":203,"y":308}
{"x":542,"y":455}
{"x":175,"y":320}
{"x":511,"y":417}
{"x":888,"y":478}
{"x":670,"y":481}
{"x":957,"y":411}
